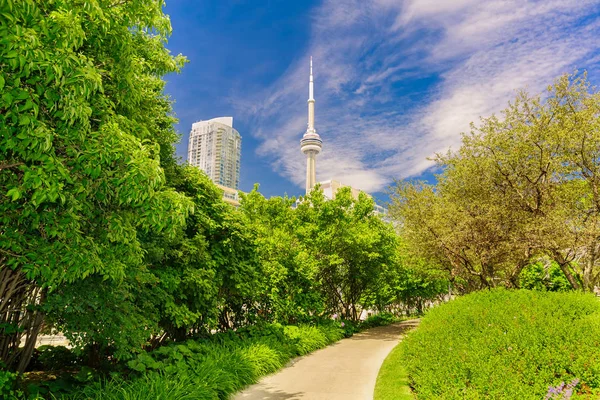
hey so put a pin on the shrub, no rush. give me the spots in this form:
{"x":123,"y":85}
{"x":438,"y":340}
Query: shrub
{"x":504,"y":344}
{"x":8,"y":385}
{"x":262,"y":358}
{"x":306,"y":338}
{"x":51,"y":358}
{"x":379,"y":320}
{"x":549,"y":277}
{"x":332,"y":332}
{"x":349,"y":327}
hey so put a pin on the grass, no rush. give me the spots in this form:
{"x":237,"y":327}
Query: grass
{"x":392,"y":380}
{"x":153,"y":386}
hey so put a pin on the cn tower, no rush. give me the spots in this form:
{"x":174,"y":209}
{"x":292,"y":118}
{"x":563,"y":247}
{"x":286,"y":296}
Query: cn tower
{"x":311,"y":142}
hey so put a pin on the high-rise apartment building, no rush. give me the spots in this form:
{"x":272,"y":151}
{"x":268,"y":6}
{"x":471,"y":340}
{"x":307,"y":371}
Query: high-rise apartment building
{"x":216,"y":148}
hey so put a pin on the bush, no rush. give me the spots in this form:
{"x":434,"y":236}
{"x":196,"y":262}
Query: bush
{"x":504,"y":344}
{"x":52,"y":358}
{"x":306,"y":338}
{"x":8,"y":385}
{"x":549,"y":277}
{"x":350,"y":327}
{"x":381,"y":319}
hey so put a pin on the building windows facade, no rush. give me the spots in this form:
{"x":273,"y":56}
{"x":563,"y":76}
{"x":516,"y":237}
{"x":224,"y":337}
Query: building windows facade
{"x":216,"y":148}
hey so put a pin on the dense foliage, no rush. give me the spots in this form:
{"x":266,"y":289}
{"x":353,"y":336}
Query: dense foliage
{"x":325,"y":257}
{"x":82,"y":121}
{"x":523,"y":187}
{"x":504,"y":344}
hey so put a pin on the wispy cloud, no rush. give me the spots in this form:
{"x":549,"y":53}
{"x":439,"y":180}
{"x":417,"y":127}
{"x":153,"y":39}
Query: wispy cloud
{"x":397,"y":81}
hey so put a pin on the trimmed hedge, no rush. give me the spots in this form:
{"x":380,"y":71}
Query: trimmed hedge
{"x":504,"y":344}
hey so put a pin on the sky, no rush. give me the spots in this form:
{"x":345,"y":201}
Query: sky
{"x":396,"y":81}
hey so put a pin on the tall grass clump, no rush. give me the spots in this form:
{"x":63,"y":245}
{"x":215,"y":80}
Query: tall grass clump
{"x":213,"y":368}
{"x":306,"y":338}
{"x":504,"y":344}
{"x":155,"y":386}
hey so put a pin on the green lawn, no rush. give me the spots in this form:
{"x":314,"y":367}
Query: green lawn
{"x":392,"y":381}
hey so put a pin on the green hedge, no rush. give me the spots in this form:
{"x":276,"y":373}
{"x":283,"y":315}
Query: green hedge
{"x":506,"y":345}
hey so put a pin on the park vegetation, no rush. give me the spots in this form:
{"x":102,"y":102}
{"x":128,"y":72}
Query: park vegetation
{"x":163,"y":289}
{"x":106,"y":237}
{"x":523,"y":189}
{"x":516,"y":206}
{"x":503,"y":344}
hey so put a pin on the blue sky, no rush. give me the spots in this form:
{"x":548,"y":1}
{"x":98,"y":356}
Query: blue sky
{"x":395,"y":80}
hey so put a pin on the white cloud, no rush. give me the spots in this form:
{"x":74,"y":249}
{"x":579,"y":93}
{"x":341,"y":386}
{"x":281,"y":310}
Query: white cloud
{"x":366,"y":53}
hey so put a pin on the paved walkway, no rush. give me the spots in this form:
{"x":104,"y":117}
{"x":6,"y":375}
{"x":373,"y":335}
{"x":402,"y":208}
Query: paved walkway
{"x":345,"y":370}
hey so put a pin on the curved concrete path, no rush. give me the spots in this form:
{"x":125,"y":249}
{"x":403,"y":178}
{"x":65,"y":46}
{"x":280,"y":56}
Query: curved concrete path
{"x":345,"y":370}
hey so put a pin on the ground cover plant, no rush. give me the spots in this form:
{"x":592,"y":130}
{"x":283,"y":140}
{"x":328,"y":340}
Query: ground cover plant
{"x":204,"y":368}
{"x":503,"y":344}
{"x":392,"y":379}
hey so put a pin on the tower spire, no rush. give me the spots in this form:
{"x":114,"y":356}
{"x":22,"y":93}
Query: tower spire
{"x":310,"y":83}
{"x":311,"y":142}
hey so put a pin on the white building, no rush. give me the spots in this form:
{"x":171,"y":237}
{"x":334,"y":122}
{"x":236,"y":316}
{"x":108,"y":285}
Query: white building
{"x":230,"y":195}
{"x":216,"y":148}
{"x":331,"y":187}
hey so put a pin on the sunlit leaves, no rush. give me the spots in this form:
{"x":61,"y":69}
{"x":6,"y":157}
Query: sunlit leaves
{"x":522,"y":185}
{"x":83,"y":124}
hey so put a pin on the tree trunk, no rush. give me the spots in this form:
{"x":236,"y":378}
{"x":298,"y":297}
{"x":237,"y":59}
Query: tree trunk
{"x":565,"y":267}
{"x":588,"y":269}
{"x":20,"y":317}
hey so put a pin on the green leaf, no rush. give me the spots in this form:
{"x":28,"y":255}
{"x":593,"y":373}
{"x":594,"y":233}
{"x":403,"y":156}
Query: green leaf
{"x":14,"y":193}
{"x":24,"y":120}
{"x":8,"y":99}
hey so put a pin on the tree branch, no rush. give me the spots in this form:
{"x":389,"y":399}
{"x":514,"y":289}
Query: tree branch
{"x":7,"y":166}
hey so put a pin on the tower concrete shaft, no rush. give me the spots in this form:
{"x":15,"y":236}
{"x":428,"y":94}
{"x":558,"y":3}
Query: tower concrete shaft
{"x":311,"y":142}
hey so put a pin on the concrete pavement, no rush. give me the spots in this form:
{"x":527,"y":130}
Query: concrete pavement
{"x":345,"y":370}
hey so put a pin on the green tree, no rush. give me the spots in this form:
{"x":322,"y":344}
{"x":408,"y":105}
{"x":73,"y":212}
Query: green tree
{"x":208,"y":273}
{"x":318,"y":256}
{"x":544,"y":275}
{"x":522,"y":185}
{"x":351,"y":244}
{"x":407,"y":284}
{"x":82,"y":116}
{"x":288,"y":291}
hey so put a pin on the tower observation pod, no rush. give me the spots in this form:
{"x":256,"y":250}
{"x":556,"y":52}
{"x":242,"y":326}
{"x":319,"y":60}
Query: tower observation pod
{"x":311,"y":142}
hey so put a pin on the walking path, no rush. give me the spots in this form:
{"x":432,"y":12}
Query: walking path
{"x":345,"y":370}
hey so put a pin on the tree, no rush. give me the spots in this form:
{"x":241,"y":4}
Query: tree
{"x":521,"y":186}
{"x":81,"y":117}
{"x":352,"y":246}
{"x":318,"y":256}
{"x":288,"y":291}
